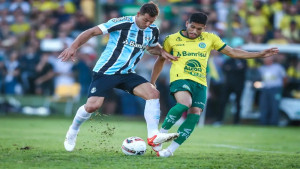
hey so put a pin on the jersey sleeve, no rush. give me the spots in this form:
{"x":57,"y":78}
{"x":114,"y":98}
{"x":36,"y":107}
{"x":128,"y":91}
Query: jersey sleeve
{"x":166,"y":45}
{"x":113,"y":24}
{"x":218,"y":44}
{"x":154,"y":40}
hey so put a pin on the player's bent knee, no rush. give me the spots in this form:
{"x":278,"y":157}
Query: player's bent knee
{"x":195,"y":110}
{"x":91,"y":108}
{"x":154,"y":94}
{"x":186,"y":103}
{"x":198,"y":113}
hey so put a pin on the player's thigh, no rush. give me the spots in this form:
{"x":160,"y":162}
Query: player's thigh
{"x":181,"y":90}
{"x":195,"y":110}
{"x":146,"y":91}
{"x":183,"y":97}
{"x":93,"y":103}
{"x":102,"y":84}
{"x":100,"y":87}
{"x":199,"y":95}
{"x":138,"y":86}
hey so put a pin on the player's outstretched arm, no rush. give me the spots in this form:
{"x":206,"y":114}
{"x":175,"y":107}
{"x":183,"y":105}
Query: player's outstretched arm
{"x":158,"y":65}
{"x":70,"y":52}
{"x":242,"y":54}
{"x":158,"y":50}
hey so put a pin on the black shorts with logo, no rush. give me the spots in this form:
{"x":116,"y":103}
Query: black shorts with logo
{"x":102,"y":84}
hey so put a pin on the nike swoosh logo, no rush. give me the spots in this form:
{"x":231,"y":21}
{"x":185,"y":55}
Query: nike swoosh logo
{"x":150,"y":140}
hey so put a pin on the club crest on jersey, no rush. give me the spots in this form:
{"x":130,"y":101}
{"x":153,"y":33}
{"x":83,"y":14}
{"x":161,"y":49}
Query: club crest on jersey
{"x":202,"y":45}
{"x":93,"y":90}
{"x":147,"y":38}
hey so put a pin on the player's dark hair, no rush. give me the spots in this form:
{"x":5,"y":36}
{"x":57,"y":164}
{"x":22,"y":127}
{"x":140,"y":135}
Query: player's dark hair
{"x":150,"y":8}
{"x":198,"y":17}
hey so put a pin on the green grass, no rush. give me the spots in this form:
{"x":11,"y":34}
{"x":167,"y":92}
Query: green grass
{"x":35,"y":142}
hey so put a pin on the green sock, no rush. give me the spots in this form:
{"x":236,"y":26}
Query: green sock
{"x":187,"y":127}
{"x":173,"y":115}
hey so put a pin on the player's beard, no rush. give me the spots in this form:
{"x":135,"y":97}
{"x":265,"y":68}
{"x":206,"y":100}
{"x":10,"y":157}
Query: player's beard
{"x":188,"y":35}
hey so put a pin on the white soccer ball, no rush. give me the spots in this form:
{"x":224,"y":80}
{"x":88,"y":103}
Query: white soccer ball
{"x":134,"y":146}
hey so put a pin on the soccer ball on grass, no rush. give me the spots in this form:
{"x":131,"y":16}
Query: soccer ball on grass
{"x":134,"y":146}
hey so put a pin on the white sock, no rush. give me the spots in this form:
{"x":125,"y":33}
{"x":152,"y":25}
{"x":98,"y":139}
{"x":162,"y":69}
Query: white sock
{"x":173,"y":146}
{"x":162,"y":130}
{"x":81,"y":116}
{"x":152,"y":115}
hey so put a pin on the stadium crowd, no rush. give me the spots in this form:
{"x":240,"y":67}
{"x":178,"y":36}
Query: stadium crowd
{"x":34,"y":32}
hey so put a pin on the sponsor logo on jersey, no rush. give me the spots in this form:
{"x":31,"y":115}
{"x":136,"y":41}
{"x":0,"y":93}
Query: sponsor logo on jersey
{"x":166,"y":39}
{"x":200,"y":103}
{"x":178,"y":39}
{"x":200,"y":37}
{"x":134,"y":44}
{"x":185,"y":133}
{"x":186,"y":87}
{"x":132,"y":35}
{"x":179,"y":45}
{"x":171,"y":119}
{"x":93,"y":90}
{"x":193,"y":67}
{"x":197,"y":54}
{"x":124,"y":18}
{"x":202,"y":45}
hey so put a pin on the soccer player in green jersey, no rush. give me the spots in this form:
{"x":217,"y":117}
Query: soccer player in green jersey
{"x":188,"y":83}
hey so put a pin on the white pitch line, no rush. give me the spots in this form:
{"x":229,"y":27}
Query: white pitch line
{"x":243,"y":148}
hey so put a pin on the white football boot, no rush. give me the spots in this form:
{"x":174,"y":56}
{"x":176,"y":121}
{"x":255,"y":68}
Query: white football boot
{"x":156,"y":141}
{"x":164,"y":153}
{"x":70,"y":140}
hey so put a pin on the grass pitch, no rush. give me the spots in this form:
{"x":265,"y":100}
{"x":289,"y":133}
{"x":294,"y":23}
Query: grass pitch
{"x":35,"y":142}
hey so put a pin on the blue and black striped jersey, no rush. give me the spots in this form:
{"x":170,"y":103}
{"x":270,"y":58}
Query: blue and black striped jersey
{"x":126,"y":45}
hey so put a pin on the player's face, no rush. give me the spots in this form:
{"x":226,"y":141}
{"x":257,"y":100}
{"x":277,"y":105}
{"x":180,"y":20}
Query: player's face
{"x":144,"y":21}
{"x":193,"y":30}
{"x":268,"y":60}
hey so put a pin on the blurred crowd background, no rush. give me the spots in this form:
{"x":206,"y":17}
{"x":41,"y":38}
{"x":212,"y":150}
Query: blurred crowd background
{"x":34,"y":32}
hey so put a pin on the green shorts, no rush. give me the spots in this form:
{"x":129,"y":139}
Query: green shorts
{"x":197,"y":90}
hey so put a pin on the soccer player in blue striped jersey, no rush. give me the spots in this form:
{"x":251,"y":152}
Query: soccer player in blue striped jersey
{"x":129,"y":37}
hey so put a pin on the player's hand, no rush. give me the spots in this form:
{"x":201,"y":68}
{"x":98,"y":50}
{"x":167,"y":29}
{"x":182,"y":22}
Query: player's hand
{"x":153,"y":83}
{"x":67,"y":54}
{"x":269,"y":52}
{"x":168,"y":56}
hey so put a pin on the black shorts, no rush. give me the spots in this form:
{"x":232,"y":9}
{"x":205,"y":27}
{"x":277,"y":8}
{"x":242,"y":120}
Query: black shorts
{"x":103,"y":84}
